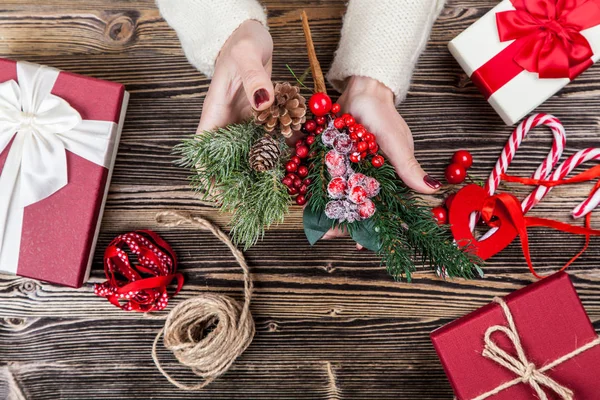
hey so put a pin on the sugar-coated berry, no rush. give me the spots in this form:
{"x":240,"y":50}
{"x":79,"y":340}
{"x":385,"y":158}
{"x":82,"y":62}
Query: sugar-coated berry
{"x":320,"y":120}
{"x":329,"y":136}
{"x":371,"y":186}
{"x":310,"y":125}
{"x":287,"y":181}
{"x":337,"y":188}
{"x":448,"y":201}
{"x":342,"y":143}
{"x":356,"y":179}
{"x":301,"y":200}
{"x":291,"y":166}
{"x":464,"y":158}
{"x":319,"y":130}
{"x":377,"y":161}
{"x":335,"y":209}
{"x":357,"y":194}
{"x":338,"y":171}
{"x":455,"y":173}
{"x":339,"y":123}
{"x":362,"y":146}
{"x":333,"y":159}
{"x":349,"y":120}
{"x":440,"y":214}
{"x":295,"y":159}
{"x":366,"y":209}
{"x":320,"y":104}
{"x":310,"y":139}
{"x":354,"y":157}
{"x":303,"y":171}
{"x":293,"y":191}
{"x":306,"y":181}
{"x":302,"y":151}
{"x":336,"y":108}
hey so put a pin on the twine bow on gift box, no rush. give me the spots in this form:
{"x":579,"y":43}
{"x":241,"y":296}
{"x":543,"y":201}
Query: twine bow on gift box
{"x":41,"y":127}
{"x":548,"y":34}
{"x":527,"y":372}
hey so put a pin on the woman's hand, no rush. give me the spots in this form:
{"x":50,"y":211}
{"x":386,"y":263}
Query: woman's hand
{"x":242,"y":78}
{"x":371,"y":103}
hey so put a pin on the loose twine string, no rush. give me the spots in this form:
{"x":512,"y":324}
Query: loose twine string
{"x":206,"y":333}
{"x":526,"y":371}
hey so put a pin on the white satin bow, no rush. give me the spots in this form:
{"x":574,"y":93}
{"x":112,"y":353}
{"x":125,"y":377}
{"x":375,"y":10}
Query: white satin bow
{"x":41,"y":126}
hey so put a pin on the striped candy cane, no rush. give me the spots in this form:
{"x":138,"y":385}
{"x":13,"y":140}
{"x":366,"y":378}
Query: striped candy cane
{"x":509,"y":151}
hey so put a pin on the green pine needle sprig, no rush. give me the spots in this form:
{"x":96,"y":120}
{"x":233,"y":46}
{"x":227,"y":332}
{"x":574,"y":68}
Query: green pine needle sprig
{"x":219,"y":161}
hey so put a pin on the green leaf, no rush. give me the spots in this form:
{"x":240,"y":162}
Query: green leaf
{"x":316,"y":224}
{"x":363,"y":232}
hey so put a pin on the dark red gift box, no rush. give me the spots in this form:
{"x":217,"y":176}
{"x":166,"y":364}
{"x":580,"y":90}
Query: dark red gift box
{"x":59,"y":232}
{"x":551,"y":323}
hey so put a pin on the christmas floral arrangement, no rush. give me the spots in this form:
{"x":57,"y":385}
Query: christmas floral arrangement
{"x":334,"y":170}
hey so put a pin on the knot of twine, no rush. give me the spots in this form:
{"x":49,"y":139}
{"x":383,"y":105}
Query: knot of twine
{"x":526,"y":371}
{"x":208,"y":332}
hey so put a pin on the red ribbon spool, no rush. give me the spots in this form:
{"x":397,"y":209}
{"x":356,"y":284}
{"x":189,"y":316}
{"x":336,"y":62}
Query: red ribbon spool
{"x":142,"y":286}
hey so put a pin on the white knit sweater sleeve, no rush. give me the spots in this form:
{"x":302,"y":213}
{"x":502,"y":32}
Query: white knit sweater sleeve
{"x":383,"y":39}
{"x":203,"y":26}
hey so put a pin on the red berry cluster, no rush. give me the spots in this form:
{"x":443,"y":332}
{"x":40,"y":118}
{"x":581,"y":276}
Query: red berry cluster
{"x":297,"y":171}
{"x":361,"y":144}
{"x":456,"y":172}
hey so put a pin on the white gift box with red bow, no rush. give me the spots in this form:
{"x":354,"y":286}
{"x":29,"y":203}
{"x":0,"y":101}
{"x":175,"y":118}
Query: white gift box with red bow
{"x":524,"y":51}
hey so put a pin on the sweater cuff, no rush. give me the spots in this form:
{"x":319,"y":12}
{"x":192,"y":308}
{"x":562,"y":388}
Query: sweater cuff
{"x":383,"y":40}
{"x":203,"y":26}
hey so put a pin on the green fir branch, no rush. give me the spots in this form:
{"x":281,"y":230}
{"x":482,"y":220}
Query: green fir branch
{"x":219,"y":161}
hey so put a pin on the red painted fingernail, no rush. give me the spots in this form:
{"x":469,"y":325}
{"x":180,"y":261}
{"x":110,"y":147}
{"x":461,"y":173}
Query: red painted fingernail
{"x":260,"y":97}
{"x":432,"y":182}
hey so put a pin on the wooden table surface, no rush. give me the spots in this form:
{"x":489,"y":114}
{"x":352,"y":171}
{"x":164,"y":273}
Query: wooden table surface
{"x":331,"y":324}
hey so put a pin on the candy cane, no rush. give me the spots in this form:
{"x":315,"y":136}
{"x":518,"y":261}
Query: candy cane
{"x":565,"y":169}
{"x":509,"y":151}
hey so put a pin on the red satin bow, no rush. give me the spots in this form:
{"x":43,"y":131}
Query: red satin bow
{"x":142,"y":285}
{"x":548,"y":34}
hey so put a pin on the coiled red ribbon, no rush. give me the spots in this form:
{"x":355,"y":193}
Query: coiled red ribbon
{"x":507,"y":209}
{"x":141,"y":286}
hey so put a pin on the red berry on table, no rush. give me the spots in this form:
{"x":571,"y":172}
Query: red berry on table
{"x":319,"y":130}
{"x":293,"y":191}
{"x":366,"y":209}
{"x":339,"y":123}
{"x":291,"y":166}
{"x":337,"y":187}
{"x":310,"y":125}
{"x":287,"y":181}
{"x":440,"y":214}
{"x":310,"y":139}
{"x":303,"y":171}
{"x":302,"y":151}
{"x":464,"y":158}
{"x":378,"y":161}
{"x":321,"y":120}
{"x":357,"y":194}
{"x":320,"y":104}
{"x":362,"y":146}
{"x":455,"y":173}
{"x":448,"y":201}
{"x":349,"y":120}
{"x":336,"y":108}
{"x":301,"y":200}
{"x":295,"y":159}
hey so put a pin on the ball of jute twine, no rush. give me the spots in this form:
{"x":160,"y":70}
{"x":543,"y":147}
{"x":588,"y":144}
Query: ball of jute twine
{"x":206,"y":333}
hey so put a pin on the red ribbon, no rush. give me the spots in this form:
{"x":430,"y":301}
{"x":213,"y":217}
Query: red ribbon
{"x":547,"y":40}
{"x":508,"y":205}
{"x":143,"y":285}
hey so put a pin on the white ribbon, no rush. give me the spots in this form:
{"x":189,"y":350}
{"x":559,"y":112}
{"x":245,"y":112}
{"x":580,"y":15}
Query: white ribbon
{"x":42,"y":127}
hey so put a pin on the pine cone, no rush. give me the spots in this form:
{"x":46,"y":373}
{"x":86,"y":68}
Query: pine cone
{"x":264,"y":154}
{"x":288,"y":111}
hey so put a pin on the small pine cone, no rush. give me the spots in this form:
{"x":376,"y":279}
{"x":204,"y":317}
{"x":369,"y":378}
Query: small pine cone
{"x":264,"y":154}
{"x":287,"y":113}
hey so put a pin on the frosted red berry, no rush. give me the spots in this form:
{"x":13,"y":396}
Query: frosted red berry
{"x":371,"y":186}
{"x":356,"y":179}
{"x":366,"y":209}
{"x":357,"y":194}
{"x":342,"y":143}
{"x":464,"y":158}
{"x":337,"y":188}
{"x":335,"y":209}
{"x":440,"y":214}
{"x":333,"y":159}
{"x":320,"y":104}
{"x":455,"y":173}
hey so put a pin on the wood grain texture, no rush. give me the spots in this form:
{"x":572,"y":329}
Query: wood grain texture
{"x":331,"y":324}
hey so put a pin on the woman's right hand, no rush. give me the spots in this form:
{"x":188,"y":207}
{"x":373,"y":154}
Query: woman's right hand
{"x":242,"y":78}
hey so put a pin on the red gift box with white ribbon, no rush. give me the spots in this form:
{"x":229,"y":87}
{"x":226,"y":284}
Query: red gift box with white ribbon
{"x":59,"y":134}
{"x":537,"y":342}
{"x":524,"y":51}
